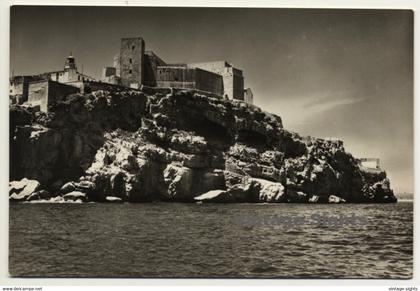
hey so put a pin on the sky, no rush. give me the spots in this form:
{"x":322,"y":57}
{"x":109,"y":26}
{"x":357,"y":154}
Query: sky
{"x":346,"y":74}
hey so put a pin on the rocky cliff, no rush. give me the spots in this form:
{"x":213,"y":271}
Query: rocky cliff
{"x":130,"y":146}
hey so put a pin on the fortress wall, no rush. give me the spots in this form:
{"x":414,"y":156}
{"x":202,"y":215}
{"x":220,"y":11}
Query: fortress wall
{"x":217,"y":67}
{"x":47,"y":92}
{"x":95,"y":86}
{"x":189,"y":78}
{"x":114,"y":80}
{"x":233,"y":81}
{"x":58,"y":92}
{"x":109,"y":75}
{"x":209,"y":82}
{"x":38,"y":94}
{"x":175,"y":76}
{"x":19,"y":91}
{"x":151,"y":62}
{"x":248,"y":96}
{"x":19,"y":87}
{"x":238,"y":87}
{"x":233,"y":86}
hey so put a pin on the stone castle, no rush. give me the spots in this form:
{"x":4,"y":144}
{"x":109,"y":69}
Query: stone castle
{"x":136,"y":68}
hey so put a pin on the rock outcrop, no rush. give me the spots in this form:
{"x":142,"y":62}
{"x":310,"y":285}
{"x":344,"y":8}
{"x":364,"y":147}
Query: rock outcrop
{"x":23,"y":189}
{"x":129,"y":146}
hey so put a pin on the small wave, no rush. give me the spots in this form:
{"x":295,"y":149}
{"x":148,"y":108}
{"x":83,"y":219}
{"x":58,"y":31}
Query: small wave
{"x":264,"y":269}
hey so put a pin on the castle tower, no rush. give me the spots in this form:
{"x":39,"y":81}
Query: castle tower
{"x":131,"y":62}
{"x":70,"y":73}
{"x":70,"y":63}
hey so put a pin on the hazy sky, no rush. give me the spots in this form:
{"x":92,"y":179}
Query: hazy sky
{"x":327,"y":73}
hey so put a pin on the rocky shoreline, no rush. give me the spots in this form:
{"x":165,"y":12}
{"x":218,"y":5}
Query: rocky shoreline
{"x":128,"y":146}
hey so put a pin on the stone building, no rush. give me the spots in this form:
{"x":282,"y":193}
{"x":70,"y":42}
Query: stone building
{"x":46,"y":88}
{"x":45,"y":93}
{"x":70,"y":75}
{"x":185,"y":77}
{"x":135,"y":67}
{"x":132,"y":67}
{"x":151,"y":64}
{"x":19,"y":88}
{"x":233,"y":81}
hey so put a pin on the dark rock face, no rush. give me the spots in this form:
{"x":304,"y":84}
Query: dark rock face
{"x":183,"y":147}
{"x":61,"y":145}
{"x":40,"y":195}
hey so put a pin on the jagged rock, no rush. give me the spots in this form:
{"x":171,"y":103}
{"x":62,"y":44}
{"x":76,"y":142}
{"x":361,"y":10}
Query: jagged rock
{"x":17,"y":186}
{"x":89,"y":188}
{"x":269,"y":191}
{"x":379,"y":191}
{"x":61,"y":144}
{"x":293,"y":196}
{"x":196,"y":161}
{"x":313,"y":199}
{"x":21,"y":190}
{"x":57,"y":199}
{"x":215,"y":196}
{"x":113,"y":199}
{"x":56,"y":186}
{"x":256,"y":190}
{"x":118,"y":185}
{"x":68,"y":187}
{"x":19,"y":115}
{"x":233,"y":178}
{"x":140,"y":147}
{"x":183,"y":183}
{"x":75,"y":195}
{"x":85,"y":186}
{"x":335,"y":199}
{"x":39,"y":195}
{"x":187,"y":142}
{"x":179,"y":181}
{"x":147,"y":184}
{"x":243,"y":193}
{"x":209,"y":179}
{"x":34,"y":148}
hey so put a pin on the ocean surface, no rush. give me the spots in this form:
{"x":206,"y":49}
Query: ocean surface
{"x":211,"y":240}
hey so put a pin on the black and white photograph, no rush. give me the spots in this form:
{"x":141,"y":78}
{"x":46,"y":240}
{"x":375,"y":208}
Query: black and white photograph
{"x":210,"y":142}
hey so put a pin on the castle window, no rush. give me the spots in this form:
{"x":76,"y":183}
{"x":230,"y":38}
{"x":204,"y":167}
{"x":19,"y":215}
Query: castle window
{"x":131,"y":71}
{"x":78,"y":78}
{"x":131,"y":60}
{"x":133,"y":47}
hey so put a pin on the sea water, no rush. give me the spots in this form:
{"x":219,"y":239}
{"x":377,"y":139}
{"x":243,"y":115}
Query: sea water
{"x":211,"y":240}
